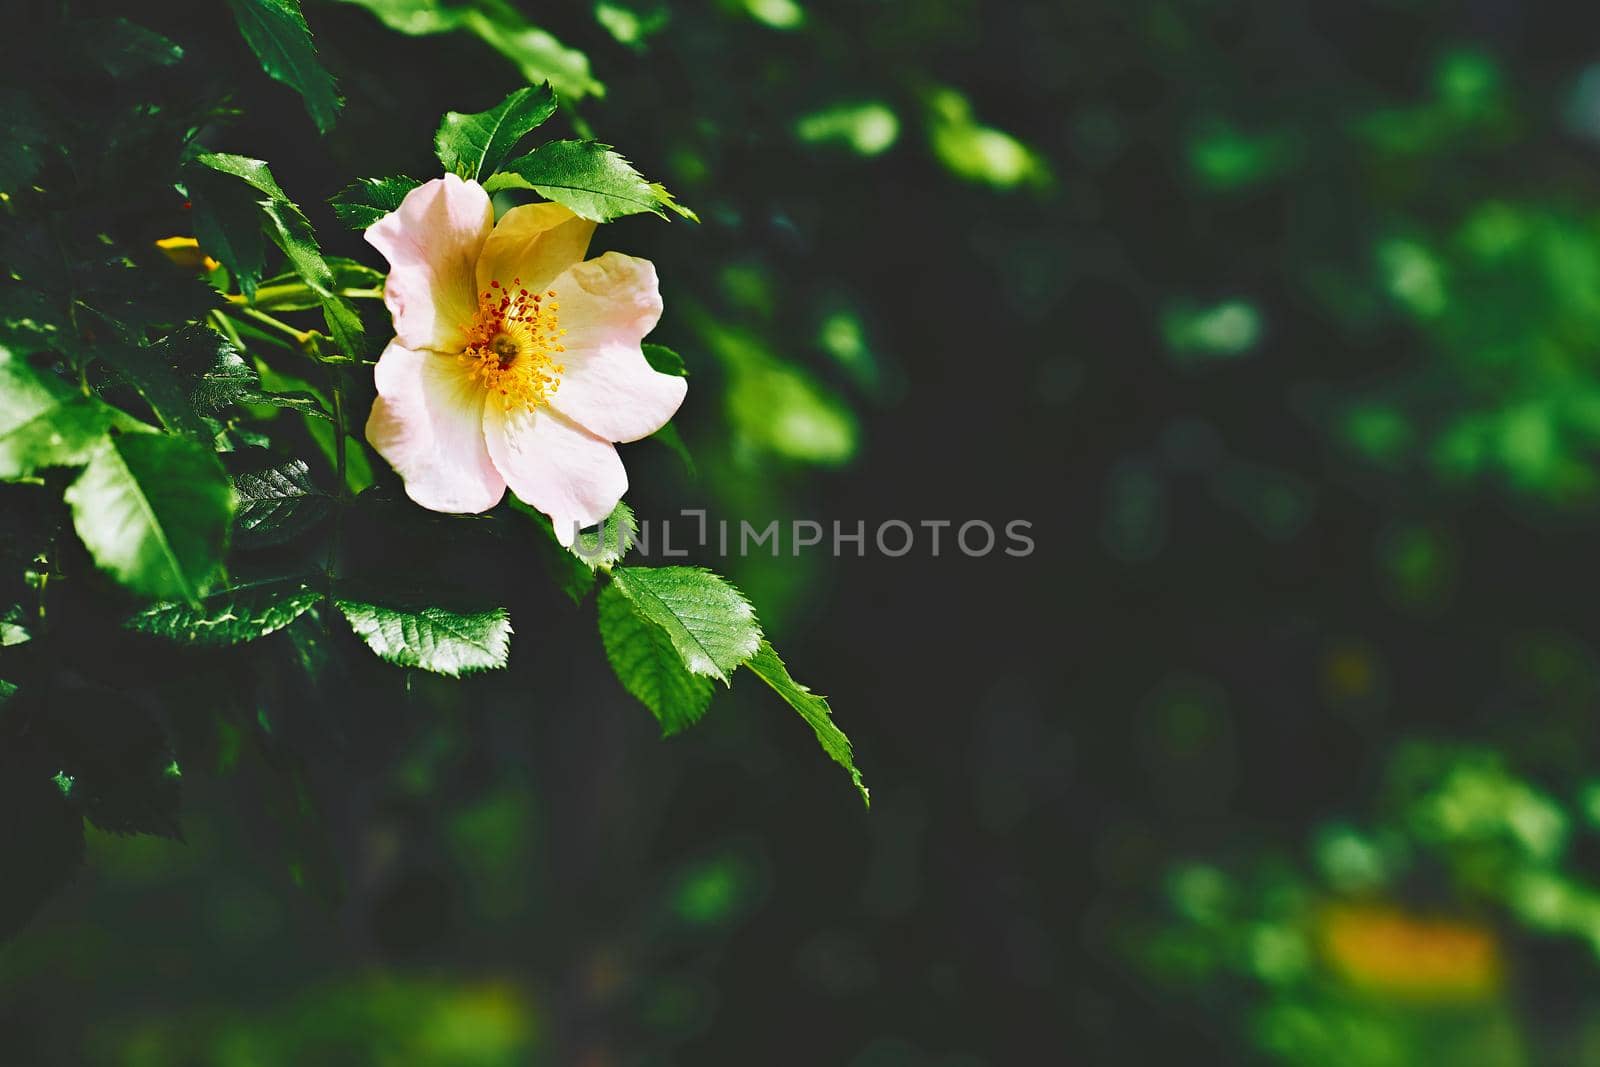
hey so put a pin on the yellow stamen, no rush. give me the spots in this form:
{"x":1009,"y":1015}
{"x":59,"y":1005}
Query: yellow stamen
{"x":511,"y":344}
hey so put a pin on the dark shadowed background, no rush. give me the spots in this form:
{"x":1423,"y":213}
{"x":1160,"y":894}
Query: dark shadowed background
{"x":1280,"y":323}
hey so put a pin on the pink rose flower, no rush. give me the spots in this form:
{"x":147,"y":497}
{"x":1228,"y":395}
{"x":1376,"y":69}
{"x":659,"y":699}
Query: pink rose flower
{"x":515,"y":361}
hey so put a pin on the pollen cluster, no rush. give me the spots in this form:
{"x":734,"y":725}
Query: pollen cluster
{"x":513,"y":344}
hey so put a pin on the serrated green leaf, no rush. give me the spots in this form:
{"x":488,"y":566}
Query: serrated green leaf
{"x":812,"y":708}
{"x":664,"y":359}
{"x":431,"y":638}
{"x":474,"y":145}
{"x":648,"y":666}
{"x":608,"y":541}
{"x":367,"y":200}
{"x":151,"y":373}
{"x":586,"y":176}
{"x":277,"y":505}
{"x":291,"y":231}
{"x":154,"y":512}
{"x":708,"y":621}
{"x":231,"y":616}
{"x":44,"y":422}
{"x":227,"y":225}
{"x":277,"y":32}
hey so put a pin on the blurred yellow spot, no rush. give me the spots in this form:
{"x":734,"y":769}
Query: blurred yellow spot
{"x":1348,"y":673}
{"x":185,"y":252}
{"x":1386,"y":951}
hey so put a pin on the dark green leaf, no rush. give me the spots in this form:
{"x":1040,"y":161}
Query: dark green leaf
{"x":154,"y":512}
{"x":648,"y":665}
{"x":708,"y":621}
{"x":124,"y":49}
{"x":665,"y":360}
{"x":572,"y":575}
{"x":277,"y":32}
{"x":370,"y":199}
{"x":474,"y":145}
{"x":227,"y":224}
{"x":813,"y":708}
{"x":150,"y":372}
{"x":277,"y":505}
{"x":586,"y":176}
{"x":230,"y":616}
{"x":291,"y":231}
{"x":431,"y":638}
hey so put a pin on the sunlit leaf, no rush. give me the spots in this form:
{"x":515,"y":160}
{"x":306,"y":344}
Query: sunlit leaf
{"x":708,"y":621}
{"x":230,"y":616}
{"x":812,"y":708}
{"x":154,"y":511}
{"x":474,"y":145}
{"x":431,"y":638}
{"x":649,"y":666}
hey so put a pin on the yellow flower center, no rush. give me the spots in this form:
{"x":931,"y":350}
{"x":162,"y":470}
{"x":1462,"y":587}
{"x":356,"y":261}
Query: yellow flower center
{"x":512,"y":344}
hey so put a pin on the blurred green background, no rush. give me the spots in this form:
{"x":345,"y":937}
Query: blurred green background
{"x":1280,"y":322}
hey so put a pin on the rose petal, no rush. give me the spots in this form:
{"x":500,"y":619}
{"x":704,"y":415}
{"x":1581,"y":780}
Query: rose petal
{"x":606,"y":306}
{"x":432,"y":241}
{"x":556,"y":466}
{"x":428,"y":423}
{"x":535,"y":243}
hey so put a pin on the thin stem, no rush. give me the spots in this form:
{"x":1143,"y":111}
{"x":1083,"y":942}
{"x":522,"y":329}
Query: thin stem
{"x":338,"y":429}
{"x":300,"y":336}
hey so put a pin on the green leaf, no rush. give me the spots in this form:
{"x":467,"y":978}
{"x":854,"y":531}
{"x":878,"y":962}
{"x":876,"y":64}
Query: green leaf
{"x":431,"y":638}
{"x":812,"y":708}
{"x":649,"y":666}
{"x":150,"y":373}
{"x":608,"y":541}
{"x":277,"y":32}
{"x":154,"y":512}
{"x":369,"y":199}
{"x":586,"y":176}
{"x":231,"y":616}
{"x":13,"y":631}
{"x":474,"y":145}
{"x":227,"y":225}
{"x":572,"y":575}
{"x":44,"y":422}
{"x":665,"y":360}
{"x":123,"y":48}
{"x":291,"y":231}
{"x":538,"y":55}
{"x":708,"y":621}
{"x":277,"y":505}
